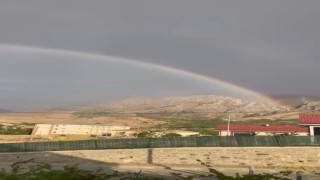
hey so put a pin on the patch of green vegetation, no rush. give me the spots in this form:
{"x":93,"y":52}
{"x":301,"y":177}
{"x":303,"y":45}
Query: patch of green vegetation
{"x":265,"y":176}
{"x":23,"y":170}
{"x":15,"y":131}
{"x":214,"y":174}
{"x":208,"y":132}
{"x":191,"y":124}
{"x":28,"y":124}
{"x":286,"y":173}
{"x":32,"y":170}
{"x":171,"y":135}
{"x":188,"y":124}
{"x":144,"y":134}
{"x":93,"y":114}
{"x":268,"y":121}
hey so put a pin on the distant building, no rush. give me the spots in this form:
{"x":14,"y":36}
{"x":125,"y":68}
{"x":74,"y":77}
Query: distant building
{"x":79,"y":129}
{"x":261,"y":130}
{"x":312,"y":121}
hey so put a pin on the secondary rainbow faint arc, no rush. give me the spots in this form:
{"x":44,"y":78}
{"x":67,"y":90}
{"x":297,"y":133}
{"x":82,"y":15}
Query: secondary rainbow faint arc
{"x":182,"y":72}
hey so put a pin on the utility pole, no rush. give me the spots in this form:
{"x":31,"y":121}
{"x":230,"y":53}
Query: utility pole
{"x":228,"y":125}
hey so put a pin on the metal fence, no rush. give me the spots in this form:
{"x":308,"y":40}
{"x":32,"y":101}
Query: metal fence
{"x":244,"y":141}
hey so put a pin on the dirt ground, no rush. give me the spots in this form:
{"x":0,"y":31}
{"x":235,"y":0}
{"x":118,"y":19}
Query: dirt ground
{"x":14,"y":138}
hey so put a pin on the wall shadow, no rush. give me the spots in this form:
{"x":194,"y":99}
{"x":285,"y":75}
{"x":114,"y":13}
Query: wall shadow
{"x":60,"y":159}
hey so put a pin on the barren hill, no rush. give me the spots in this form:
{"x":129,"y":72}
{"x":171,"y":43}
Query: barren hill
{"x":209,"y":106}
{"x":191,"y":111}
{"x":311,"y":105}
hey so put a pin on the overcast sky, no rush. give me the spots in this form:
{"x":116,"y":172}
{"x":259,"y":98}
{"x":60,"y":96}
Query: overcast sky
{"x":268,"y":46}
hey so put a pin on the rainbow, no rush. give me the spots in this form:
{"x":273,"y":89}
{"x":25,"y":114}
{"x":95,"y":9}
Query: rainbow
{"x":167,"y":69}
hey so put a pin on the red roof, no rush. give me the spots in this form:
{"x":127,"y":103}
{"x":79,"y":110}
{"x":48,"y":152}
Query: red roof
{"x":309,"y":119}
{"x":270,"y":128}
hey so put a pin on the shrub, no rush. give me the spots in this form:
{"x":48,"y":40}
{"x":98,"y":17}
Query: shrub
{"x":171,"y":135}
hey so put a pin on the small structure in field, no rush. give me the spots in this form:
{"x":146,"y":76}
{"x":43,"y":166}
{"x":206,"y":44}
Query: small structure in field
{"x":260,"y":130}
{"x":182,"y":133}
{"x":80,"y":129}
{"x":312,"y":121}
{"x":7,"y":124}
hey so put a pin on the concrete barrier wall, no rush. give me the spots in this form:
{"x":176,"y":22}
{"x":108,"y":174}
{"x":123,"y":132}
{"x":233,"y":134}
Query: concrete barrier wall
{"x":262,"y":157}
{"x":170,"y":142}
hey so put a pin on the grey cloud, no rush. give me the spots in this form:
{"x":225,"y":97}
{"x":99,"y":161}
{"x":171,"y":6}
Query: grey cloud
{"x":268,"y":46}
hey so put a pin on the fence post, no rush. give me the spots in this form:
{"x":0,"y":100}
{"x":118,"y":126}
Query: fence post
{"x":278,"y":138}
{"x":251,"y":170}
{"x":95,"y":144}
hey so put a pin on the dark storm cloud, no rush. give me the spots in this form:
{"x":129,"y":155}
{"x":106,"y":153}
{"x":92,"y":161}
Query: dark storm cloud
{"x":268,"y":46}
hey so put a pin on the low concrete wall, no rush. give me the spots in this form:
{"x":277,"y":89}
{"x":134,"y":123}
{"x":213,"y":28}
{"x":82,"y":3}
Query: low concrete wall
{"x":263,"y":157}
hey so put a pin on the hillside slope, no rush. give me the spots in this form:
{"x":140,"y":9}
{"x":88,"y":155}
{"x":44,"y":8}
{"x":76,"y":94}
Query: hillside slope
{"x":204,"y":106}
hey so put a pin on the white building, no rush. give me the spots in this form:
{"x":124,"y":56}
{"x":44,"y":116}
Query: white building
{"x":260,"y":130}
{"x":312,"y":121}
{"x":79,"y":129}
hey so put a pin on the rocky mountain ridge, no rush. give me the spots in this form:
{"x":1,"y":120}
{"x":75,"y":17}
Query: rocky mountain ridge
{"x":202,"y":105}
{"x":310,"y":105}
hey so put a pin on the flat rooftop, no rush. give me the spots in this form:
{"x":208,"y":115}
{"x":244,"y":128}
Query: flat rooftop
{"x":81,"y":123}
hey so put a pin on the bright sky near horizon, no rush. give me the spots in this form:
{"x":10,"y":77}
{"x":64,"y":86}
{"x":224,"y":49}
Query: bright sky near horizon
{"x":268,"y":46}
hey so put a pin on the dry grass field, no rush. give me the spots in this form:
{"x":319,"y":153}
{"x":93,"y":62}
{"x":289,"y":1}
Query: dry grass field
{"x":61,"y":116}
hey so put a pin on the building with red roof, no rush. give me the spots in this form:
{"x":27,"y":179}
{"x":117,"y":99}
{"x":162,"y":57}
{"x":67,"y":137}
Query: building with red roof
{"x":262,"y":130}
{"x":312,"y":121}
